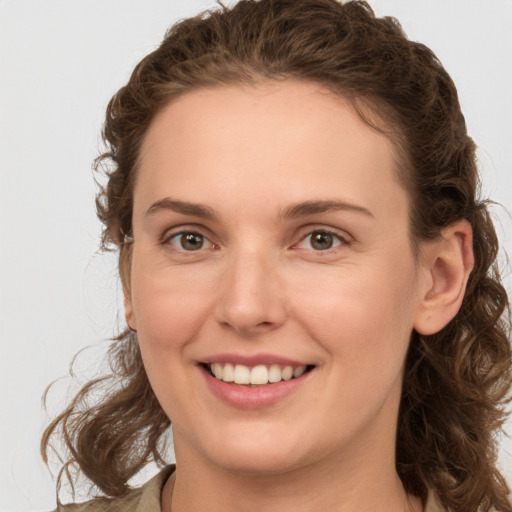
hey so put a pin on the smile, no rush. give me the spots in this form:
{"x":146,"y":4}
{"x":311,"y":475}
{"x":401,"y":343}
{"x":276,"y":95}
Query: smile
{"x":258,"y":375}
{"x":259,"y":383}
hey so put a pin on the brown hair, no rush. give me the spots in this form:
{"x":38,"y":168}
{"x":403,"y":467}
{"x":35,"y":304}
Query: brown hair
{"x":457,"y":381}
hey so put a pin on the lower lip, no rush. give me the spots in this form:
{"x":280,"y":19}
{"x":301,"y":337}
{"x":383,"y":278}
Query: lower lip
{"x":253,"y":397}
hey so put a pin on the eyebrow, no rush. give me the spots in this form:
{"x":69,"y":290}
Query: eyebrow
{"x":184,"y":207}
{"x":315,"y":207}
{"x":294,"y":211}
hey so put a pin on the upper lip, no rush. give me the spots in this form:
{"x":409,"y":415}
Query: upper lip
{"x":252,"y":360}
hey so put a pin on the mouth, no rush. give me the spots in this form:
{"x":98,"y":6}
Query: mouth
{"x":258,"y":375}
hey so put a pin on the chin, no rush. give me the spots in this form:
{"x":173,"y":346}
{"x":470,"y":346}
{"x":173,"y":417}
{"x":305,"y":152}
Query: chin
{"x":257,"y":463}
{"x":259,"y":454}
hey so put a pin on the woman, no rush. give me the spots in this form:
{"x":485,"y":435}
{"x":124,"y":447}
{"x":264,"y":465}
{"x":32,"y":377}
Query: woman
{"x":309,"y":278}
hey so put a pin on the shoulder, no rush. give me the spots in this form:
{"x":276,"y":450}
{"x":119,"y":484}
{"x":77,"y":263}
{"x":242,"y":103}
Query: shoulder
{"x":142,"y":499}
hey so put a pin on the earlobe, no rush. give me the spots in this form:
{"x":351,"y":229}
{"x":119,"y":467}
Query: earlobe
{"x":447,"y":263}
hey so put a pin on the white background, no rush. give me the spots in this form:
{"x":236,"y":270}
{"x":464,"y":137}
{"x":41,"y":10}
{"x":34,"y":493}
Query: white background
{"x":60,"y":61}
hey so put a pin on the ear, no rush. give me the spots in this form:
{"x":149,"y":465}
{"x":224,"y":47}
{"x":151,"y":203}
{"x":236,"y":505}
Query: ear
{"x":447,"y":263}
{"x":125,"y":275}
{"x":128,"y":310}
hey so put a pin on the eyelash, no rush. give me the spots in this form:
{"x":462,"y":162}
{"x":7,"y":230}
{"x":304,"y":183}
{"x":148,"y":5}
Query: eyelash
{"x":208,"y":244}
{"x":167,"y":240}
{"x":342,"y":240}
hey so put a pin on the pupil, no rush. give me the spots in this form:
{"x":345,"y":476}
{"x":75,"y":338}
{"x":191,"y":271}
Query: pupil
{"x":191,"y":242}
{"x":321,"y":241}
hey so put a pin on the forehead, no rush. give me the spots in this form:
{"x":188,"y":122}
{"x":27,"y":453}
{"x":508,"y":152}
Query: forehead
{"x":238,"y":108}
{"x":267,"y":141}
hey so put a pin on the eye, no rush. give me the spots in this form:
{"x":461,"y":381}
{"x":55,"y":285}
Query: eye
{"x":189,"y":241}
{"x":321,"y":240}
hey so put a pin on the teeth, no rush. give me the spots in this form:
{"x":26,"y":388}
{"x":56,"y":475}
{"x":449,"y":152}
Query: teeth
{"x":274,"y":373}
{"x":287,"y":373}
{"x":242,"y":374}
{"x":228,"y":373}
{"x":257,"y":375}
{"x":297,"y":372}
{"x":217,"y":370}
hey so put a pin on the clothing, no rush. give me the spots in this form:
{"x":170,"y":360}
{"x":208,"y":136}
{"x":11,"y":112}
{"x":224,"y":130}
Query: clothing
{"x":147,"y":499}
{"x":143,"y":499}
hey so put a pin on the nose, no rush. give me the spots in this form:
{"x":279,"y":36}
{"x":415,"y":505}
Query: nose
{"x":250,"y":296}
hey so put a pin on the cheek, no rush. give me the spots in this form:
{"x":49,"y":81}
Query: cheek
{"x":169,"y":306}
{"x":363,"y":318}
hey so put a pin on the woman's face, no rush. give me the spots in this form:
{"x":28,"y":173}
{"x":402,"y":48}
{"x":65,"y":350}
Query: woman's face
{"x":271,"y":239}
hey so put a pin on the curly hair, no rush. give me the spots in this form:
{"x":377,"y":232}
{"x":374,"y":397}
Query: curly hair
{"x":457,"y":382}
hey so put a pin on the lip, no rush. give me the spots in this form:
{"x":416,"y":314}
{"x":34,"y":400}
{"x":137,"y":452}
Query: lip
{"x":253,"y":397}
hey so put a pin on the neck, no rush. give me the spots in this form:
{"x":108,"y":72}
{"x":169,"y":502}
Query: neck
{"x":341,"y":486}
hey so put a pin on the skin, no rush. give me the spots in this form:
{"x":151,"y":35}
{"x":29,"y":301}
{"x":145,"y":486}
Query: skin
{"x":258,"y":285}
